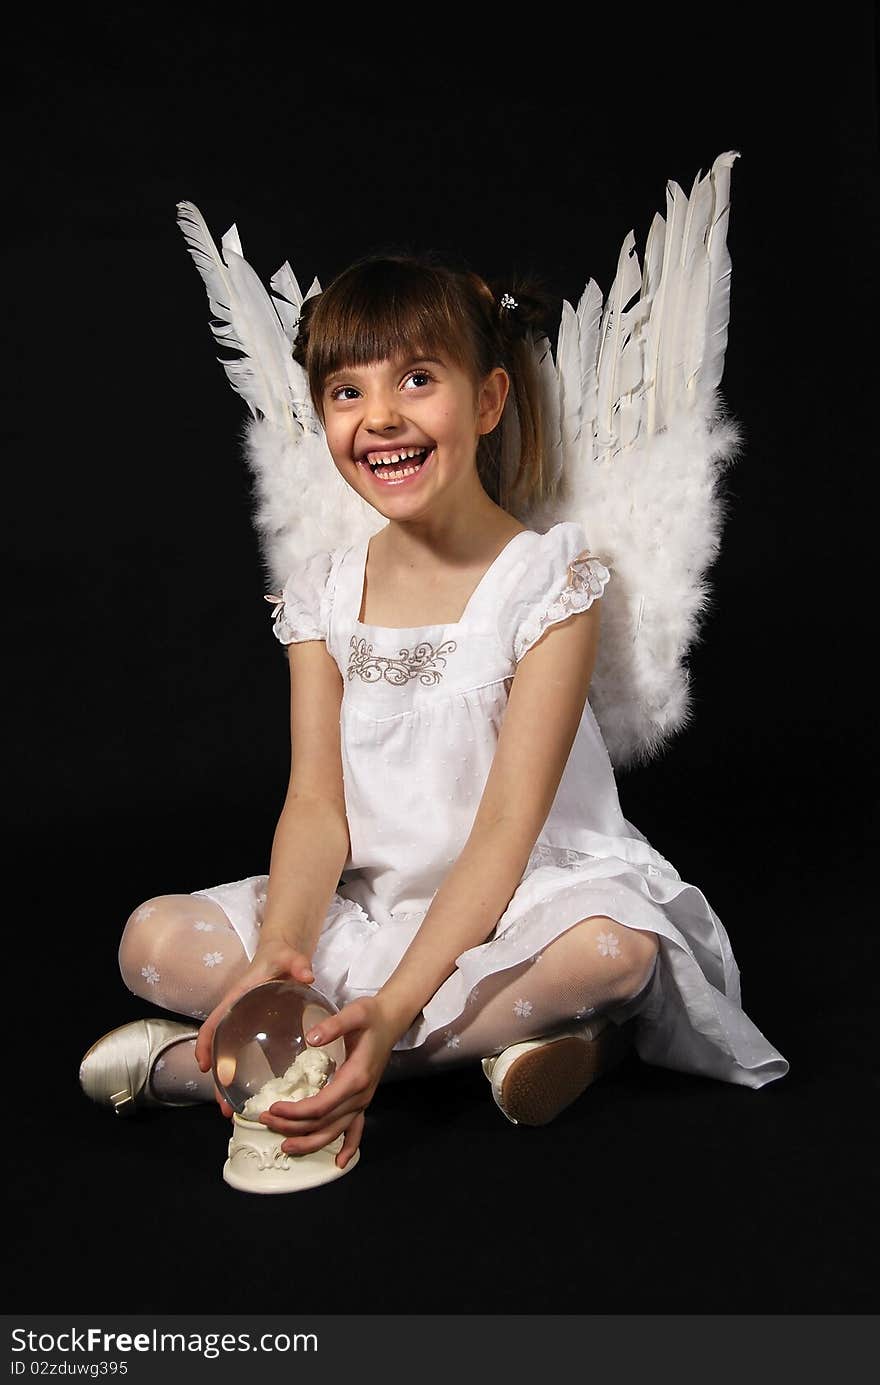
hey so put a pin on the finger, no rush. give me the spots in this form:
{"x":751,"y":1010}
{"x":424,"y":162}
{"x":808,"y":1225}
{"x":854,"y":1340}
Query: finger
{"x":343,"y":1022}
{"x":205,"y":1036}
{"x":351,"y":1143}
{"x":298,"y":1125}
{"x":307,"y":1144}
{"x":204,"y":1039}
{"x":222,"y":1102}
{"x":302,"y":972}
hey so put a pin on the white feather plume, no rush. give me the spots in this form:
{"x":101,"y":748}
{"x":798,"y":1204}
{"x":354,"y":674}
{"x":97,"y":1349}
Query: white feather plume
{"x":303,"y":505}
{"x":644,"y":455}
{"x":245,"y":319}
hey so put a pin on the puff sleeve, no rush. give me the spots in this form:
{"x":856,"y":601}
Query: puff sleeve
{"x":559,"y":577}
{"x":301,"y":610}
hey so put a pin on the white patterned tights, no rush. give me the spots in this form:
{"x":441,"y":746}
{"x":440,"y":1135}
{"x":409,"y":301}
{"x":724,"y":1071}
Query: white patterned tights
{"x":181,"y":952}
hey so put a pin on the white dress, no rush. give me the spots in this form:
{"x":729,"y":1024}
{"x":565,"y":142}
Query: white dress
{"x":421,"y":713}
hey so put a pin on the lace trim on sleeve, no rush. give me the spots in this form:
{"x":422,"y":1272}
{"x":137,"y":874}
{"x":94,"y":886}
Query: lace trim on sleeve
{"x":300,"y":610}
{"x":587,"y":579}
{"x":292,"y":622}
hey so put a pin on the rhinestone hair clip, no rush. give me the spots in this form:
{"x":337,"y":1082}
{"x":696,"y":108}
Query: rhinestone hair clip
{"x":507,"y":302}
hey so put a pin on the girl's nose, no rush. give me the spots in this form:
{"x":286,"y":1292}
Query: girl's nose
{"x":381,"y":412}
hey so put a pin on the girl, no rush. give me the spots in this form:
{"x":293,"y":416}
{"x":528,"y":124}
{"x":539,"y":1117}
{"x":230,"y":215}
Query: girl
{"x":451,"y":865}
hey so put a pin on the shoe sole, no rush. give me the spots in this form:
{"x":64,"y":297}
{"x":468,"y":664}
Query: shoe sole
{"x":544,"y":1081}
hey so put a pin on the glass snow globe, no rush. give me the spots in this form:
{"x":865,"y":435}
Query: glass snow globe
{"x":260,"y":1055}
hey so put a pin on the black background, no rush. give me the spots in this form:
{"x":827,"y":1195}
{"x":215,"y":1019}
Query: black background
{"x":149,"y":703}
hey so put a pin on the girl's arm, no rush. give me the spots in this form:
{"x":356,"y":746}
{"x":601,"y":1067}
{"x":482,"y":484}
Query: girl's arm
{"x":543,"y":713}
{"x":309,"y":851}
{"x":311,"y":843}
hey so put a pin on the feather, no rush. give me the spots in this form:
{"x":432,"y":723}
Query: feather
{"x":655,"y":518}
{"x":718,"y":312}
{"x":288,"y":299}
{"x":589,"y":314}
{"x":642,"y":462}
{"x":568,"y":363}
{"x":654,"y":339}
{"x":606,"y":365}
{"x":247,"y":321}
{"x":302,"y":504}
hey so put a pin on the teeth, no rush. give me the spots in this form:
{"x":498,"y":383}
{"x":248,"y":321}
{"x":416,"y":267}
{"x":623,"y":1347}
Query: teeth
{"x":398,"y":456}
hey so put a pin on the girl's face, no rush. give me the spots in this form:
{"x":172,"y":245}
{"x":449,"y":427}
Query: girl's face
{"x":426,"y":406}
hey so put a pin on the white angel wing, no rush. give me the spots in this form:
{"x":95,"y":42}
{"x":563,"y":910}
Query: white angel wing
{"x":303,"y":505}
{"x":643,"y":443}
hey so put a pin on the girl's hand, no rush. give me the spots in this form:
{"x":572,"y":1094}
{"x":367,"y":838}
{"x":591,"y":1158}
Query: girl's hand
{"x":316,"y":1121}
{"x":273,"y":960}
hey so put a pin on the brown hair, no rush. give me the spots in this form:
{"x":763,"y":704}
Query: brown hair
{"x":385,"y":305}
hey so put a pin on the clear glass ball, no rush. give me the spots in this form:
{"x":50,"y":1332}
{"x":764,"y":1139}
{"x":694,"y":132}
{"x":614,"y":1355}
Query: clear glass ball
{"x":260,"y":1054}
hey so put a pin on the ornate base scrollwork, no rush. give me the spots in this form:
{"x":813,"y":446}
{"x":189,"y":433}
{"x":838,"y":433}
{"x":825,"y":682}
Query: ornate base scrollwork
{"x":256,"y":1162}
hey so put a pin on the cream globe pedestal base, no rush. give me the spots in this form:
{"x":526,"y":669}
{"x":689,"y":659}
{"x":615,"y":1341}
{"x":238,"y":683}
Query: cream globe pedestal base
{"x":258,"y":1164}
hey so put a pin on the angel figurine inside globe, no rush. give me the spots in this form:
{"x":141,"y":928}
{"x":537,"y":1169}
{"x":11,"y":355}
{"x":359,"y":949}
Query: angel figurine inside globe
{"x":260,"y":1056}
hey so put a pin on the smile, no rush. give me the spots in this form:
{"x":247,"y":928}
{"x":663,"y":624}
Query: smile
{"x":399,"y":468}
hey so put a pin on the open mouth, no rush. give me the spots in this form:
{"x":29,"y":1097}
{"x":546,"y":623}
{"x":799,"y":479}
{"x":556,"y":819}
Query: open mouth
{"x":399,"y":472}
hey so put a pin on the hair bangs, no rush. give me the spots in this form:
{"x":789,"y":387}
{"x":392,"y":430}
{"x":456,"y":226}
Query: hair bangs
{"x":384,"y":309}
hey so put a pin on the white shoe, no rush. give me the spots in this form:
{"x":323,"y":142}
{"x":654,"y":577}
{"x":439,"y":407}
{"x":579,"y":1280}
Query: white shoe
{"x":116,"y":1070}
{"x":535,"y":1080}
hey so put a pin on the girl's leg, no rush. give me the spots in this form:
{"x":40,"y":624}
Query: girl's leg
{"x":595,"y":964}
{"x":181,"y":952}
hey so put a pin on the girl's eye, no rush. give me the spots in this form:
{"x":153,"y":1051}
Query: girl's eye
{"x":413,"y":375}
